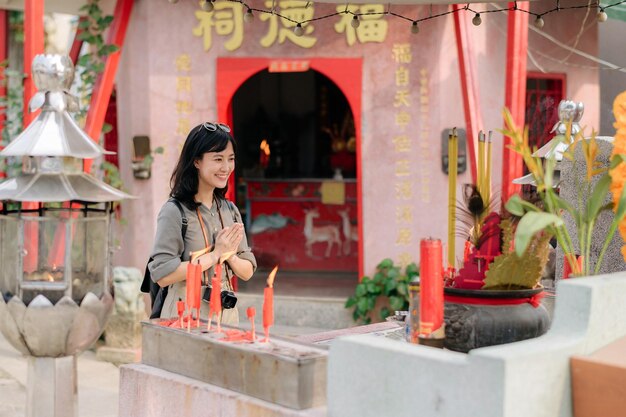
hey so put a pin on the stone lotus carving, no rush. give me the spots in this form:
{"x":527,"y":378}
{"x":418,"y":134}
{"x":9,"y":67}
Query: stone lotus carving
{"x":46,"y":330}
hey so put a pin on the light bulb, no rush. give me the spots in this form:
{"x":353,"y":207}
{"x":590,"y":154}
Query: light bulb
{"x":539,"y":22}
{"x":298,"y":30}
{"x":355,"y":21}
{"x":477,"y":20}
{"x":602,"y":16}
{"x":207,"y":5}
{"x":414,"y":28}
{"x":248,"y":16}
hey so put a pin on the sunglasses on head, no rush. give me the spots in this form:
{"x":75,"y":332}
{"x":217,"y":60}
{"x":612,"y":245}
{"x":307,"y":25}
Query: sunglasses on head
{"x":212,"y":127}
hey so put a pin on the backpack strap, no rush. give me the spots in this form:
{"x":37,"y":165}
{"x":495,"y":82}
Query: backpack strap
{"x":147,"y":285}
{"x":183,"y":229}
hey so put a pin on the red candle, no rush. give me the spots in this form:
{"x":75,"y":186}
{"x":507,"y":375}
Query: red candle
{"x":216,"y":301}
{"x":567,"y":270}
{"x":180,"y":309}
{"x":268,"y":307}
{"x":268,"y":303}
{"x":431,"y":286}
{"x":194,"y":276}
{"x":251,"y":312}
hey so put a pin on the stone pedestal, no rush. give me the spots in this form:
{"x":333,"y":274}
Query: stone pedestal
{"x":123,"y":331}
{"x":52,"y":389}
{"x":123,"y":339}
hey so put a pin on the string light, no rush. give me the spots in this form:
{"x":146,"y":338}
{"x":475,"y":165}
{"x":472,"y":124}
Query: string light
{"x":207,"y":5}
{"x":355,"y":23}
{"x":298,"y":30}
{"x":476,"y":21}
{"x":248,"y":16}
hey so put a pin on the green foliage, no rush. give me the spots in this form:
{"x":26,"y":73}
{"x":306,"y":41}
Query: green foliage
{"x":11,"y":105}
{"x":547,"y":218}
{"x":390,"y":284}
{"x":511,"y":271}
{"x":149,"y":159}
{"x":16,"y":25}
{"x":91,"y":64}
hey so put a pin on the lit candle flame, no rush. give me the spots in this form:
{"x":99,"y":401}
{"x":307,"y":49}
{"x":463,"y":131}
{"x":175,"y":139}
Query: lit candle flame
{"x":226,"y":255}
{"x":265,"y":147}
{"x":270,"y":278}
{"x":195,"y":255}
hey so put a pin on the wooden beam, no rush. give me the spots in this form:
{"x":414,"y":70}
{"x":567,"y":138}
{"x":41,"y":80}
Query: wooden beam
{"x":104,"y":84}
{"x":515,"y":92}
{"x":33,"y":45}
{"x":469,"y":85}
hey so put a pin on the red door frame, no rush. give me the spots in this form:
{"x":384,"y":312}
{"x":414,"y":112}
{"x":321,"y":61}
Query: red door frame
{"x":346,"y":73}
{"x":550,"y":76}
{"x":546,"y":76}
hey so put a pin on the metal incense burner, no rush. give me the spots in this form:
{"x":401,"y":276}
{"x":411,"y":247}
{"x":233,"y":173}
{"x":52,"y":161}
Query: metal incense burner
{"x":55,"y":233}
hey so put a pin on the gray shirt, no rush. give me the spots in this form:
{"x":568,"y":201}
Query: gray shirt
{"x":169,"y":247}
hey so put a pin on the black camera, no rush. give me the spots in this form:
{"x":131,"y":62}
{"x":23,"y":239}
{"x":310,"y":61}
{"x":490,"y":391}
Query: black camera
{"x":229,"y":299}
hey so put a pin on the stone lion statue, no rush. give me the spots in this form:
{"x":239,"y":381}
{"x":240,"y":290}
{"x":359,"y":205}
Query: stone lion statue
{"x":127,"y":290}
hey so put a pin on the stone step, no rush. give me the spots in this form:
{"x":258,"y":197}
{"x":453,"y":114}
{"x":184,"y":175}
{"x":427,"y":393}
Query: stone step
{"x":311,"y":313}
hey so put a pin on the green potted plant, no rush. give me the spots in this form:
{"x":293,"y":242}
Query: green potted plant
{"x":547,"y":217}
{"x":506,"y":301}
{"x":386,"y":291}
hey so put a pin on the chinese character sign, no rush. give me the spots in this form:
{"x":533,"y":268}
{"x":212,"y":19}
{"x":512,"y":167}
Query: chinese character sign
{"x":226,"y":22}
{"x":183,"y":105}
{"x":403,"y":149}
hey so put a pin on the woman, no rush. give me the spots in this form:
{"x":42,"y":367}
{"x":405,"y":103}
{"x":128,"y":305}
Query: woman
{"x":199,"y":182}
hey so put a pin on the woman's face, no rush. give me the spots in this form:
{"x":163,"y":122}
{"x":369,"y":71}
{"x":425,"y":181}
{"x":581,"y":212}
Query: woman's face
{"x":215,"y":167}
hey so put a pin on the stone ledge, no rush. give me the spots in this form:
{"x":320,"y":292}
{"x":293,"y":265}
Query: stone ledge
{"x":146,"y":391}
{"x":282,"y":371}
{"x":528,"y":378}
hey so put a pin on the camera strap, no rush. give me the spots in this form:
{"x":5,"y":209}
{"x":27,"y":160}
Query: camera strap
{"x":226,"y":267}
{"x":206,"y":240}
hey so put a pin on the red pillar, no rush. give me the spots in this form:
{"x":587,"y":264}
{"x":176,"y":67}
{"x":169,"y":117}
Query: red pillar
{"x":77,"y":44}
{"x":33,"y":45}
{"x":515,"y":92}
{"x":104,"y":85}
{"x":3,"y":57}
{"x":469,"y":84}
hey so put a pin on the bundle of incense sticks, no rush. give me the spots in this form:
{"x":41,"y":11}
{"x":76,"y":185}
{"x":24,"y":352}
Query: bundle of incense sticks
{"x":453,"y":156}
{"x":483,"y":182}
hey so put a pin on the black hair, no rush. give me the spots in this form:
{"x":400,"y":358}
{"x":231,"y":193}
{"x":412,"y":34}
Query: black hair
{"x":184,"y":179}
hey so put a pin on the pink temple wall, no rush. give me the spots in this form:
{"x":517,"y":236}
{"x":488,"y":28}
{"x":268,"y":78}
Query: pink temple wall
{"x":146,"y":88}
